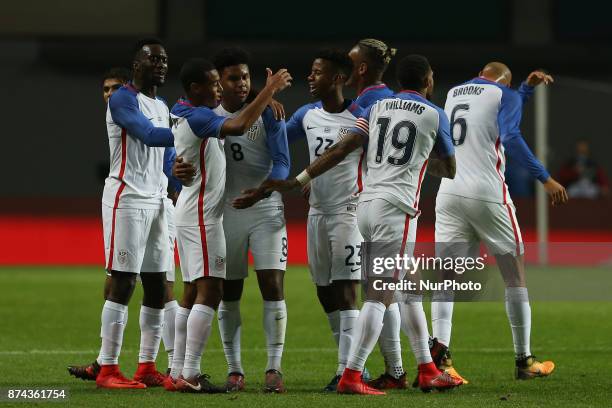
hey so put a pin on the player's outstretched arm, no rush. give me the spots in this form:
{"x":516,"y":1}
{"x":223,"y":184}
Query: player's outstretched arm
{"x":325,"y":162}
{"x":240,"y":124}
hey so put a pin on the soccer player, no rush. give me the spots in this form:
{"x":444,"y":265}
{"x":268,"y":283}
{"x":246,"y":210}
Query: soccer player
{"x":134,"y":221}
{"x":112,"y":80}
{"x":199,"y":213}
{"x":371,"y":57}
{"x":334,"y":241}
{"x":485,"y":116}
{"x":259,"y":154}
{"x":401,"y":132}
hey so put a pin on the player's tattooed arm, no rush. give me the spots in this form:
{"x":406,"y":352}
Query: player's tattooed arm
{"x":325,"y":162}
{"x":442,"y":167}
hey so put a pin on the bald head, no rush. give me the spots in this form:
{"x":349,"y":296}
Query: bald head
{"x":497,"y":72}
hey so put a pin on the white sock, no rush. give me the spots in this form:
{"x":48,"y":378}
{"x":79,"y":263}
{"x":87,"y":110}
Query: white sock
{"x":442,"y":315}
{"x":389,"y":341}
{"x":151,"y":321}
{"x":519,"y":315}
{"x":367,"y":329}
{"x":348,"y":318}
{"x":275,"y":325}
{"x":180,"y":339}
{"x":125,"y":320}
{"x":168,"y":329}
{"x":334,"y":324}
{"x":199,"y":325}
{"x":229,"y":326}
{"x":113,"y":324}
{"x":414,"y":325}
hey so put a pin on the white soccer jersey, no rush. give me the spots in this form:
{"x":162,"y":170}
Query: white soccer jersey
{"x":485,"y":119}
{"x":250,"y":157}
{"x":402,"y":132}
{"x":134,"y":122}
{"x":196,"y":137}
{"x":336,"y":191}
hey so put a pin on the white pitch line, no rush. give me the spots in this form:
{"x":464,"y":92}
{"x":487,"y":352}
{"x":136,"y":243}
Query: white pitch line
{"x":288,"y":351}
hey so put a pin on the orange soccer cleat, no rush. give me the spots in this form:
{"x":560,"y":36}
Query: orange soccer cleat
{"x":147,"y":374}
{"x":111,"y":377}
{"x":352,"y":383}
{"x":528,"y":368}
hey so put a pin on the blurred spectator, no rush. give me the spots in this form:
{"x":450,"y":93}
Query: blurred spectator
{"x":582,"y":176}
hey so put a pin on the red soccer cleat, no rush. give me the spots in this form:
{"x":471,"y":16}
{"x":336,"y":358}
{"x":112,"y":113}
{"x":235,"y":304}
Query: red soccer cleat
{"x":170,"y":384}
{"x":147,"y":374}
{"x":431,"y":378}
{"x":234,"y":382}
{"x":111,"y":377}
{"x":86,"y":372}
{"x":352,"y":383}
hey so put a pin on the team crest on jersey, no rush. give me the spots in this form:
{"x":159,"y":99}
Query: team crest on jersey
{"x":252,"y":132}
{"x":122,"y":256}
{"x":219,"y":262}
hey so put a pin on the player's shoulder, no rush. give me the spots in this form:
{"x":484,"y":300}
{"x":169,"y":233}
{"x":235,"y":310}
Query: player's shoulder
{"x":303,"y":110}
{"x":127,"y":94}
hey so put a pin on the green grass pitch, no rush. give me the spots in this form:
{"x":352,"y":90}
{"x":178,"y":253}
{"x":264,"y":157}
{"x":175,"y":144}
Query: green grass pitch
{"x":49,"y":318}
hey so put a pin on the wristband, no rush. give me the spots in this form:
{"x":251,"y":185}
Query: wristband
{"x":303,"y":178}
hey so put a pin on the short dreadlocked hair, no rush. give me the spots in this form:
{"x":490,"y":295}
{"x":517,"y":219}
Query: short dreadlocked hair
{"x":339,"y":59}
{"x":377,"y":53}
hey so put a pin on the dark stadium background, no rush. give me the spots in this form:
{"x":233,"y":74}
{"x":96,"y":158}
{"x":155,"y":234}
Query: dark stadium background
{"x":54,"y":53}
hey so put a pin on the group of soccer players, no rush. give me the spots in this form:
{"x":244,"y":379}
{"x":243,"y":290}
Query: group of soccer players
{"x":221,"y":155}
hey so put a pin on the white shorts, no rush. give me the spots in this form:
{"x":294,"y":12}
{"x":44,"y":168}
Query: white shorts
{"x":382,"y":222}
{"x":334,"y":248}
{"x":135,"y":240}
{"x":169,"y":208}
{"x":263,"y":231}
{"x":462,"y":223}
{"x":201,"y":251}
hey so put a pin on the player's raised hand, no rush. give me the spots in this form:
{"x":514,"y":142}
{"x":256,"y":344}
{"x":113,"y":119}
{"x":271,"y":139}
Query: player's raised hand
{"x":537,"y":77}
{"x":278,"y":109}
{"x":183,"y":171}
{"x":279,"y":81}
{"x":556,"y":191}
